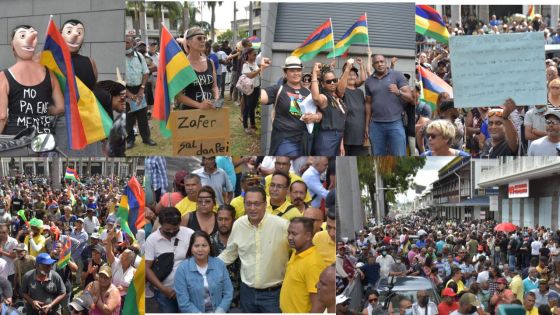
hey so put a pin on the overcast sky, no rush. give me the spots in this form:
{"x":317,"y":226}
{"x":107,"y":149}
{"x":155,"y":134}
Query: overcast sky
{"x":427,"y":175}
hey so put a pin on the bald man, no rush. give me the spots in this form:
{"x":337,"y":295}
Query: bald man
{"x":326,"y":290}
{"x":317,"y":216}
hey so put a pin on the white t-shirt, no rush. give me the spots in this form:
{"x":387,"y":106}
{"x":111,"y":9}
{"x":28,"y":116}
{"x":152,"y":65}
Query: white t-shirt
{"x":91,"y":224}
{"x":535,"y":248}
{"x":156,"y":245}
{"x":120,"y":276}
{"x":535,"y":120}
{"x":222,"y":56}
{"x":119,"y":236}
{"x":9,"y":247}
{"x":3,"y":268}
{"x":248,"y":68}
{"x":385,"y":263}
{"x":543,"y":147}
{"x":418,"y":310}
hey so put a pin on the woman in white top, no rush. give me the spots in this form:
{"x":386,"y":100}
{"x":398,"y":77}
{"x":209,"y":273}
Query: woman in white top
{"x":252,"y":71}
{"x":122,"y":267}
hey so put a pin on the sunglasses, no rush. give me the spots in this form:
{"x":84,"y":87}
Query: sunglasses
{"x":555,"y":87}
{"x":432,"y":136}
{"x":200,"y":38}
{"x":552,"y":122}
{"x":332,"y":81}
{"x":496,"y":112}
{"x":373,"y":300}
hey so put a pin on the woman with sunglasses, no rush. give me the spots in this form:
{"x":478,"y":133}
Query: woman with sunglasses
{"x":202,"y":281}
{"x":289,"y":131}
{"x":440,"y":135}
{"x":328,"y":97}
{"x":203,"y":218}
{"x":202,"y":93}
{"x":554,"y":93}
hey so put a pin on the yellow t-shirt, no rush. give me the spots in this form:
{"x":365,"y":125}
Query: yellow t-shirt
{"x":302,"y":275}
{"x":516,"y":286}
{"x":293,"y":178}
{"x":326,"y":247}
{"x":287,"y":214}
{"x":39,"y":241}
{"x":239,"y":204}
{"x":186,"y":205}
{"x":460,"y":285}
{"x":533,"y":311}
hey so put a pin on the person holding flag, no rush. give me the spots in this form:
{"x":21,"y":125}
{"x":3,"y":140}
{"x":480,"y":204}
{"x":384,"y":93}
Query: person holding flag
{"x":65,"y":266}
{"x":29,"y":92}
{"x":204,"y":92}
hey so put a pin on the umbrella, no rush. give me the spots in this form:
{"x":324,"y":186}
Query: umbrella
{"x":505,"y":227}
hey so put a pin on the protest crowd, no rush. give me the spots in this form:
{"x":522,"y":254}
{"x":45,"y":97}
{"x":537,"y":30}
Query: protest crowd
{"x":456,"y":267}
{"x":63,"y":251}
{"x":245,"y":234}
{"x":440,"y":128}
{"x":217,"y":68}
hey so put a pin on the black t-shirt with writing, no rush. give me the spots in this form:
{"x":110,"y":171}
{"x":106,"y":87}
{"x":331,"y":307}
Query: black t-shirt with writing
{"x":27,"y":105}
{"x":287,"y":112}
{"x":201,"y":89}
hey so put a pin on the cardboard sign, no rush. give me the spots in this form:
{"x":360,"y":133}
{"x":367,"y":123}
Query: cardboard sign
{"x":488,"y":69}
{"x":200,"y":132}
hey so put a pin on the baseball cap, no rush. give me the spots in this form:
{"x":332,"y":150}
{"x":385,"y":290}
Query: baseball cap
{"x":448,"y":292}
{"x":80,"y":220}
{"x":111,"y":220}
{"x":81,"y":302}
{"x":44,"y":259}
{"x":552,"y":112}
{"x":292,"y":62}
{"x":98,"y":248}
{"x":21,"y":247}
{"x":470,"y":298}
{"x":106,"y":270}
{"x":95,"y":235}
{"x":502,"y":280}
{"x":341,"y":298}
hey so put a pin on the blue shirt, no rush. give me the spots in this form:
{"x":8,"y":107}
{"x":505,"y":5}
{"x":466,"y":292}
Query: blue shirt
{"x":83,"y":238}
{"x":439,"y":246}
{"x":385,"y":106}
{"x":529,"y":285}
{"x":216,"y":62}
{"x":226,"y":164}
{"x":189,"y":286}
{"x":156,"y":170}
{"x":372,"y":273}
{"x":312,"y":179}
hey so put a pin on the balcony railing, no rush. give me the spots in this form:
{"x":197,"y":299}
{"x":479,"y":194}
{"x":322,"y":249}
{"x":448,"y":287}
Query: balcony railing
{"x":518,"y":166}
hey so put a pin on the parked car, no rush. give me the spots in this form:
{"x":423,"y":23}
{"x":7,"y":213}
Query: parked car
{"x":395,"y":288}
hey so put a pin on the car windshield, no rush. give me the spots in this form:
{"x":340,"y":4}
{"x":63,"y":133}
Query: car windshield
{"x":395,"y":300}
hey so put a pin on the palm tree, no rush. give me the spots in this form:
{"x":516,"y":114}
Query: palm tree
{"x":212,"y":6}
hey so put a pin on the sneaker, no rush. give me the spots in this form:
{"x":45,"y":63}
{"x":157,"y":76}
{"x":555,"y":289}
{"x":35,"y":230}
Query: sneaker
{"x":237,"y":103}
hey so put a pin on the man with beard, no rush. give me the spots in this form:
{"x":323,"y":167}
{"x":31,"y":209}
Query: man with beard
{"x":424,"y":306}
{"x":43,"y":289}
{"x":298,"y":191}
{"x":299,"y":291}
{"x":548,"y":145}
{"x":226,"y":217}
{"x":216,"y":178}
{"x":247,"y":180}
{"x":22,"y":264}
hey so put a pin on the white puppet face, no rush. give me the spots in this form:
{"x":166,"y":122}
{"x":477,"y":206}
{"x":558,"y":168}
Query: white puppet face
{"x":24,"y":42}
{"x":73,"y":34}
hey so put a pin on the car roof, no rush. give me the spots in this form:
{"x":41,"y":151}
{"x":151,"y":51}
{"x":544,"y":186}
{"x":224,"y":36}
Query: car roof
{"x":406,"y":284}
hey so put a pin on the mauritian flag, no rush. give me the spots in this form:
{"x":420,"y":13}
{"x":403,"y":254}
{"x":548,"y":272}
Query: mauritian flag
{"x":356,"y":34}
{"x":86,"y":120}
{"x":65,"y":253}
{"x":321,"y":39}
{"x":131,"y":207}
{"x":255,"y":41}
{"x":430,"y":23}
{"x":134,"y":304}
{"x":174,"y":74}
{"x":71,"y":174}
{"x":432,"y":86}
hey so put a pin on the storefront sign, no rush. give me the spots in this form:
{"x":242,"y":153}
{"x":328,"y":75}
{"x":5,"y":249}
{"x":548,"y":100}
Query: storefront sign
{"x":519,"y":189}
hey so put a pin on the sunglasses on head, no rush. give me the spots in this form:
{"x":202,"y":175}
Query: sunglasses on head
{"x":335,"y":80}
{"x":496,"y":112}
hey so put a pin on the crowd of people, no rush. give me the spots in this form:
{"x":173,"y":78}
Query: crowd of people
{"x":508,"y":130}
{"x":62,"y":250}
{"x":32,"y":98}
{"x":245,"y":234}
{"x":217,"y":66}
{"x":471,"y":268}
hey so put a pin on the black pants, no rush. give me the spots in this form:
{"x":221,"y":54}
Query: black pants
{"x":142,"y":117}
{"x":223,"y":84}
{"x":251,"y":101}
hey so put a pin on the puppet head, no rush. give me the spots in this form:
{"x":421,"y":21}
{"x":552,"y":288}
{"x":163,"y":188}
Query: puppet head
{"x":24,"y":41}
{"x":73,"y":32}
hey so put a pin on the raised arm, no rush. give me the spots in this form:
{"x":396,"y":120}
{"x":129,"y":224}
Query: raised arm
{"x":319,"y":99}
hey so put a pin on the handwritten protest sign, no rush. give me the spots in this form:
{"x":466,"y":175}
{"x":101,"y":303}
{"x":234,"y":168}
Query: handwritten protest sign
{"x":488,"y":69}
{"x":200,"y":132}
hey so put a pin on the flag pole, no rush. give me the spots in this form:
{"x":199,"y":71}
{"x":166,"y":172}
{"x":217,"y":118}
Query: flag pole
{"x":367,"y":27}
{"x":332,"y":30}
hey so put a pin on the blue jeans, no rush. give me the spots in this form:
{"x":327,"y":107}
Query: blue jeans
{"x":288,"y":148}
{"x":327,"y":143}
{"x":166,"y":305}
{"x":511,"y":262}
{"x":253,"y":301}
{"x":387,"y":138}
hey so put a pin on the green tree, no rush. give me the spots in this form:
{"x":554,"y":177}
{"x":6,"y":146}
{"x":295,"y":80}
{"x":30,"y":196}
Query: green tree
{"x":212,"y":6}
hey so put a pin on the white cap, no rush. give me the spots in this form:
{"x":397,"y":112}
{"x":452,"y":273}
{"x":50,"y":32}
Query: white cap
{"x":341,"y":299}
